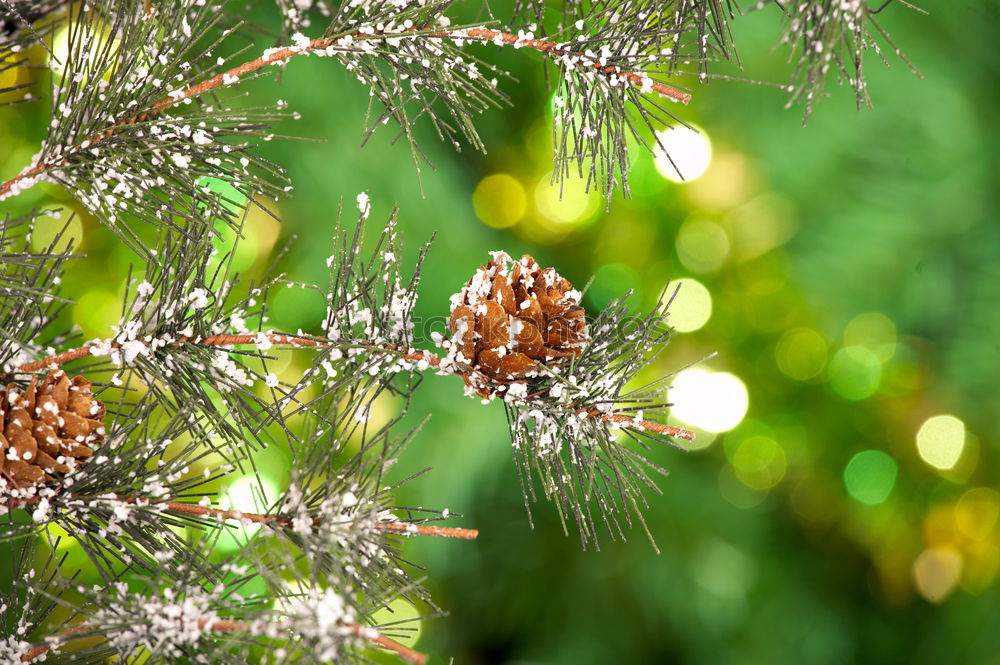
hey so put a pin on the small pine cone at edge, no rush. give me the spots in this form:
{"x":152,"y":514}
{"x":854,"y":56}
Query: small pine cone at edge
{"x":47,"y":429}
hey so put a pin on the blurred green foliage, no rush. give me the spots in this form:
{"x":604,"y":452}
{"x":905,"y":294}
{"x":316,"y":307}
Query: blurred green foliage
{"x":851,"y":273}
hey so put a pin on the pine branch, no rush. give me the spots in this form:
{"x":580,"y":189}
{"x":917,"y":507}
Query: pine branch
{"x":607,"y":63}
{"x":416,"y":357}
{"x":198,"y":614}
{"x":330,"y":45}
{"x":53,"y":160}
{"x":346,"y":537}
{"x":398,"y":528}
{"x":227,"y":627}
{"x":405,"y":528}
{"x":109,"y":141}
{"x":29,"y":288}
{"x":561,"y":52}
{"x":825,"y":39}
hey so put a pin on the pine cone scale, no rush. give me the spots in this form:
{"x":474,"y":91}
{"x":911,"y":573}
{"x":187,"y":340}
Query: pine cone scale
{"x":24,"y":473}
{"x":49,"y":465}
{"x":47,"y":411}
{"x":19,"y":420}
{"x":515,"y":365}
{"x":492,"y":326}
{"x":46,"y":437}
{"x":60,"y":390}
{"x":463,"y":327}
{"x":503,"y":294}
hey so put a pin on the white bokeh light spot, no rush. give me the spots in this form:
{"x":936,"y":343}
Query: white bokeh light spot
{"x":690,"y":150}
{"x":691,"y":307}
{"x":712,"y":401}
{"x":941,"y":440}
{"x":244,"y":496}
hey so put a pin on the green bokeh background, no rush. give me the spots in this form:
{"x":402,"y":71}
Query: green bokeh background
{"x":779,"y":542}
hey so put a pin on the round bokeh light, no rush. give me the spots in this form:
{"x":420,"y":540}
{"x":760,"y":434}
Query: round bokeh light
{"x":499,"y":200}
{"x":685,"y":155}
{"x":691,"y":308}
{"x":940,"y":441}
{"x":855,"y":373}
{"x":712,"y":401}
{"x":870,"y":476}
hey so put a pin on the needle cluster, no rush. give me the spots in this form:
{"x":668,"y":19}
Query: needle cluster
{"x":150,"y":129}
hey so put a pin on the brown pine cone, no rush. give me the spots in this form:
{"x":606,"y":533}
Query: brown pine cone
{"x":511,"y":318}
{"x":49,"y":428}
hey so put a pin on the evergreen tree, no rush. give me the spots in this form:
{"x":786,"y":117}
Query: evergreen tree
{"x":147,"y":117}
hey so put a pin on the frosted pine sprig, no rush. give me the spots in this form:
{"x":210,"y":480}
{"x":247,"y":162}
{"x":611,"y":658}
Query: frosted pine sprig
{"x":124,"y":513}
{"x":130,"y":152}
{"x":833,"y":38}
{"x":110,"y":140}
{"x":564,"y":422}
{"x":142,"y":132}
{"x":182,"y":616}
{"x":29,"y":289}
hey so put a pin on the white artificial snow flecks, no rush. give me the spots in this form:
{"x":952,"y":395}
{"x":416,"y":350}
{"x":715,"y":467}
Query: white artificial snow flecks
{"x":13,"y":646}
{"x":230,"y":370}
{"x":263,"y":341}
{"x":325,"y":618}
{"x":168,"y":624}
{"x":364,"y":205}
{"x":144,"y":290}
{"x":198,"y":298}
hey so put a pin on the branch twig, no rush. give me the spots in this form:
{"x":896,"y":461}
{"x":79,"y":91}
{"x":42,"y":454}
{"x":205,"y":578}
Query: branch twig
{"x":551,"y":48}
{"x":411,"y":355}
{"x":273,"y":56}
{"x":400,"y":528}
{"x":215,"y":340}
{"x":364,"y":632}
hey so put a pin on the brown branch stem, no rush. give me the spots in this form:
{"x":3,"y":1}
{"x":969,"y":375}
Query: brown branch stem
{"x":218,"y":340}
{"x":401,"y":528}
{"x":649,"y":425}
{"x":552,"y":48}
{"x":274,"y":56}
{"x":406,"y":354}
{"x":365,"y":633}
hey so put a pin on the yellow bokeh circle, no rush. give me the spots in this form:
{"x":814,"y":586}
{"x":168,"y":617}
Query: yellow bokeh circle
{"x":801,"y":354}
{"x":873,"y":331}
{"x":691,"y":307}
{"x":977,"y":511}
{"x":682,"y":153}
{"x":702,"y":245}
{"x":760,"y":462}
{"x":499,"y":200}
{"x":712,"y":401}
{"x":936,"y":571}
{"x":569,"y":203}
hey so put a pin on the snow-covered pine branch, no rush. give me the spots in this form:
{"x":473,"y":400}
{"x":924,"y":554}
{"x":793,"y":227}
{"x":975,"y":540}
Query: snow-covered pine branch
{"x":186,"y":320}
{"x":29,"y":289}
{"x":204,"y":614}
{"x":116,"y":139}
{"x":122,"y":140}
{"x":831,"y":39}
{"x":142,"y":131}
